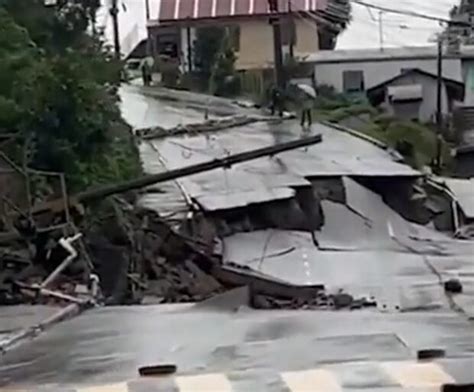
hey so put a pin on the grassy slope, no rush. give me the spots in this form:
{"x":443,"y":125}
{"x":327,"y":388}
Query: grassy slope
{"x":416,"y":142}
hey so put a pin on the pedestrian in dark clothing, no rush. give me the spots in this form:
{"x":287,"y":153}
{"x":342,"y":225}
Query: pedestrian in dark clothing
{"x":277,"y":102}
{"x":146,"y":74}
{"x":306,"y":116}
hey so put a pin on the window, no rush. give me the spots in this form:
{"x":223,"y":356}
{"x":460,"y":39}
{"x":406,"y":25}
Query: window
{"x":353,"y":81}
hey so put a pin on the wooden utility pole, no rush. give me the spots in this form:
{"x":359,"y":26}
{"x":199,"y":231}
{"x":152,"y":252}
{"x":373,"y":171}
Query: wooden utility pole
{"x":439,"y":109}
{"x":144,"y":181}
{"x":149,"y":38}
{"x":439,"y":103}
{"x":190,"y":48}
{"x":278,"y":53}
{"x":115,"y":23}
{"x":226,"y":162}
{"x":147,"y":9}
{"x":293,"y":28}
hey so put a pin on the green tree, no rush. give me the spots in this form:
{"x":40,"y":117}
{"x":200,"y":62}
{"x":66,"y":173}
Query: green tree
{"x":58,"y":87}
{"x":215,"y":58}
{"x":206,"y":48}
{"x":460,"y":33}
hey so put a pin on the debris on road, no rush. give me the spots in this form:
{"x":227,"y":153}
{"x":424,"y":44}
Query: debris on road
{"x":157,"y":370}
{"x":208,"y":126}
{"x":432,"y":353}
{"x":453,"y":286}
{"x":457,"y":387}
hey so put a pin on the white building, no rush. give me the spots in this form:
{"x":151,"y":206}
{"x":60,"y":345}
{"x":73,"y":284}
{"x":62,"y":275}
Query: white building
{"x":360,"y":70}
{"x":412,"y":95}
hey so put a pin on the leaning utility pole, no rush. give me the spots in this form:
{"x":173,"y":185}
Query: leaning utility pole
{"x":150,"y":45}
{"x":144,"y":181}
{"x":439,"y":108}
{"x":147,"y":10}
{"x":439,"y":113}
{"x":278,"y":53}
{"x":292,"y":26}
{"x":114,"y":14}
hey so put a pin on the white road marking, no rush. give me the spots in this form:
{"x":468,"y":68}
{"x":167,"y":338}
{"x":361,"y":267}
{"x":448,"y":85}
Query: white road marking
{"x":417,"y":375}
{"x":204,"y":383}
{"x":121,"y":387}
{"x":318,"y":380}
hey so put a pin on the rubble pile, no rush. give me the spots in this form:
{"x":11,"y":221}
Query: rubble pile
{"x":137,"y":255}
{"x":321,"y":301}
{"x":150,"y":258}
{"x":132,"y":251}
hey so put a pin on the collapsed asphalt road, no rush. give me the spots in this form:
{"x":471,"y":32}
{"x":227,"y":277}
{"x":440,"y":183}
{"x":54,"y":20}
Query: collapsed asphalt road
{"x":361,"y":245}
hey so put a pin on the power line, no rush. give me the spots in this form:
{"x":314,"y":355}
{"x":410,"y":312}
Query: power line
{"x":369,"y":10}
{"x":307,"y":16}
{"x":410,"y":13}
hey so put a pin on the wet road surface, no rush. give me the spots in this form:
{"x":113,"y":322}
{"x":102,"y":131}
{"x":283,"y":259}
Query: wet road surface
{"x":249,"y":350}
{"x":108,"y":345}
{"x":14,"y":318}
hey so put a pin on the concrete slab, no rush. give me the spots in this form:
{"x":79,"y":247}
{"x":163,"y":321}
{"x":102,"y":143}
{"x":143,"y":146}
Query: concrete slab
{"x":225,"y":201}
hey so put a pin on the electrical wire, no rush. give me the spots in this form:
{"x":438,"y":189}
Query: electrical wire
{"x":410,"y":13}
{"x":304,"y":16}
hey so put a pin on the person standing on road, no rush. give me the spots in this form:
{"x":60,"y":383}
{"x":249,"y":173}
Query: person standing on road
{"x":146,"y":69}
{"x":276,"y":102}
{"x":306,"y":116}
{"x":145,"y":77}
{"x":308,"y":96}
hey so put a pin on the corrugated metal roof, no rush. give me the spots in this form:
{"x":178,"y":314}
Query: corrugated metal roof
{"x":406,"y":52}
{"x":175,"y":10}
{"x":405,"y":93}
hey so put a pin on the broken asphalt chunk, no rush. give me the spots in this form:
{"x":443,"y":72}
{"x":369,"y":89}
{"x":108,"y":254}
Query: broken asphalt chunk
{"x":457,"y":387}
{"x":157,"y":370}
{"x":453,"y":286}
{"x":342,"y":300}
{"x":430,"y":353}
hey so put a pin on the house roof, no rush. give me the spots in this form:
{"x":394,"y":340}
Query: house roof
{"x":181,"y":10}
{"x":377,"y":93}
{"x":447,"y":81}
{"x":388,"y":54}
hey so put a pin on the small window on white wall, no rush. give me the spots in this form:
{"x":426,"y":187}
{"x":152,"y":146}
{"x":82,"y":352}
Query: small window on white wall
{"x":353,"y":81}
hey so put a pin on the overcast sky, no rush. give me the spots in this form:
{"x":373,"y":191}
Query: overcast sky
{"x":398,"y":30}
